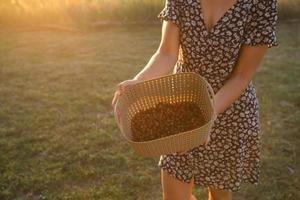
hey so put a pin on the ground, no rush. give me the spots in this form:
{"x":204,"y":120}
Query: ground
{"x":59,"y":139}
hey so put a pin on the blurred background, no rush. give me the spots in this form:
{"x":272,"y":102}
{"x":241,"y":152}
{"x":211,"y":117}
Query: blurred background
{"x":60,"y":61}
{"x":91,"y":12}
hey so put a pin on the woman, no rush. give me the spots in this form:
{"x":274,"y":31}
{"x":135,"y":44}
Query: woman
{"x":224,"y":41}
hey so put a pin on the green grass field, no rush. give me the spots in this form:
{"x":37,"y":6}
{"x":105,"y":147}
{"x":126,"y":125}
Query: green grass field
{"x":58,"y":137}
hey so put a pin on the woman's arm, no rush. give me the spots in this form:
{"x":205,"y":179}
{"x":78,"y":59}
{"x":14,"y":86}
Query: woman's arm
{"x":165,"y":58}
{"x":160,"y":64}
{"x":248,"y":62}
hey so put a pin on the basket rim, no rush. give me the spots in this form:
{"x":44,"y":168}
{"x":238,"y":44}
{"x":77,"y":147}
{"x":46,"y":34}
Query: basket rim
{"x":137,"y":84}
{"x":167,"y":76}
{"x":163,"y":77}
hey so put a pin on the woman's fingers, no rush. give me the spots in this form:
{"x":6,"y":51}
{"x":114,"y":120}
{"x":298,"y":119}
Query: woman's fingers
{"x":119,"y":91}
{"x":115,"y":99}
{"x":120,"y":86}
{"x":117,"y":114}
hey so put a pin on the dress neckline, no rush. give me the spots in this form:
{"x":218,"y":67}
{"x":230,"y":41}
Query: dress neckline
{"x":227,"y":12}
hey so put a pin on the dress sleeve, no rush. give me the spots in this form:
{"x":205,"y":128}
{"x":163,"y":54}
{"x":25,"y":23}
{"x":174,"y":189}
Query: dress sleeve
{"x":261,"y":25}
{"x":170,"y":12}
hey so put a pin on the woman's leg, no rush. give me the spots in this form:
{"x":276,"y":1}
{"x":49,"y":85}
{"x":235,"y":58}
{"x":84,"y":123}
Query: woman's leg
{"x":216,"y":194}
{"x":174,"y":189}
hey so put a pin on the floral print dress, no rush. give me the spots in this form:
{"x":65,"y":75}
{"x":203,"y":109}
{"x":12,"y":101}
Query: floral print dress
{"x":233,"y":154}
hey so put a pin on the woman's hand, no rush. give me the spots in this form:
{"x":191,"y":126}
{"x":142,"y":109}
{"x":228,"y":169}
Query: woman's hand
{"x":244,"y":71}
{"x":207,"y":139}
{"x":120,"y":89}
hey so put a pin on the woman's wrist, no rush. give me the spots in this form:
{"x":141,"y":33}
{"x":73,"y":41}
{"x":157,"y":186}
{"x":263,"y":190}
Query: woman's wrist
{"x":142,"y":77}
{"x":137,"y":78}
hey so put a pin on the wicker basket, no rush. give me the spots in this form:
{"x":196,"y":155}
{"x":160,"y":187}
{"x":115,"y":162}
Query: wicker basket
{"x":179,"y":87}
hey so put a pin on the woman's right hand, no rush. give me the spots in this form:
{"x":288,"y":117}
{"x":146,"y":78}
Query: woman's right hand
{"x":119,"y":91}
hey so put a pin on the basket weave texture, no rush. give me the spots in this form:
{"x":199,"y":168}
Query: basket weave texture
{"x":179,"y":87}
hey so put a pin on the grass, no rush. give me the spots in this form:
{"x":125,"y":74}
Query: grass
{"x":58,"y":137}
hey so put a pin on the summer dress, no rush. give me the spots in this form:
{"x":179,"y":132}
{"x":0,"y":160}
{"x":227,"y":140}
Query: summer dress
{"x":233,"y":154}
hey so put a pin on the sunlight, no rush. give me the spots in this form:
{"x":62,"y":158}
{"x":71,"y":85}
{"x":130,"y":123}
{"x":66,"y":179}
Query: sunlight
{"x":33,"y":12}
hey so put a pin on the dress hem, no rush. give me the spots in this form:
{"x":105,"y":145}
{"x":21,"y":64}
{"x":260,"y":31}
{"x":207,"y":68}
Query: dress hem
{"x":243,"y":182}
